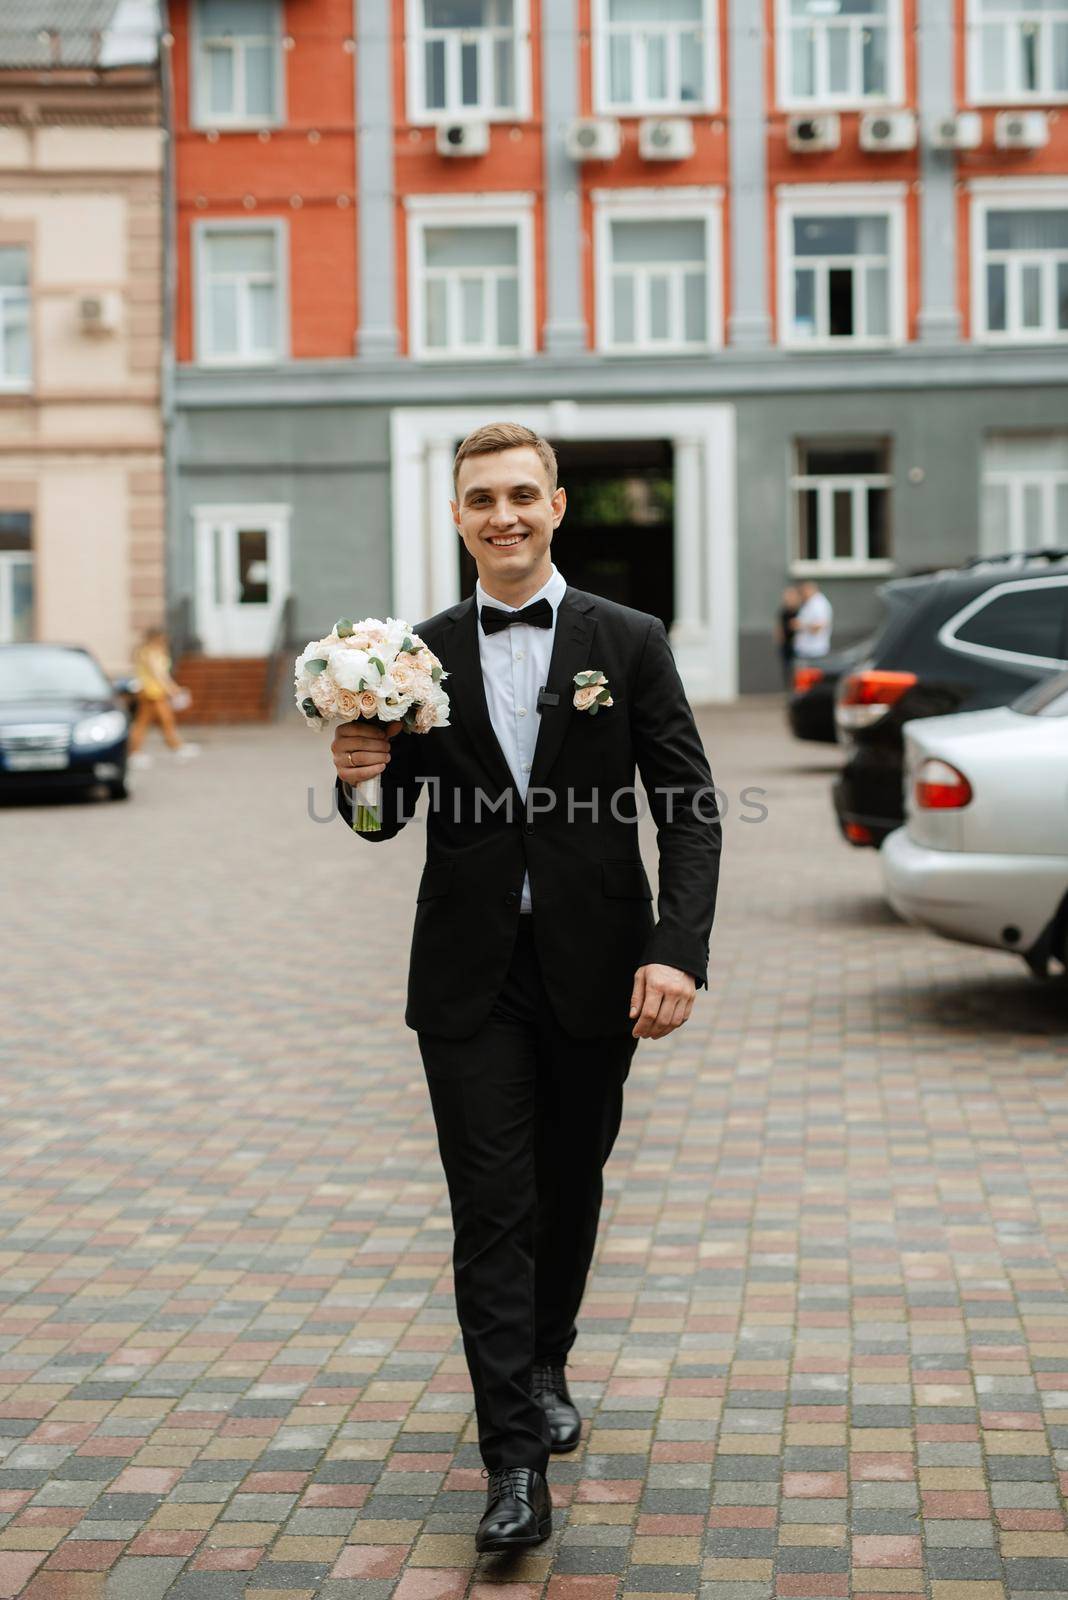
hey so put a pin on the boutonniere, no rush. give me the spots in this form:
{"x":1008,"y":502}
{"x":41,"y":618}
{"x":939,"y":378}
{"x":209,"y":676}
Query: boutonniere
{"x":591,"y":692}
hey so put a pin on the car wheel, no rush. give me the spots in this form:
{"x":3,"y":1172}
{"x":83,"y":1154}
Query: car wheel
{"x":118,"y":790}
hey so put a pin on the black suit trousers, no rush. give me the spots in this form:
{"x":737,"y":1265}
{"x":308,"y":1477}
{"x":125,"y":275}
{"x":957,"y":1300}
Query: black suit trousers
{"x":526,"y":1118}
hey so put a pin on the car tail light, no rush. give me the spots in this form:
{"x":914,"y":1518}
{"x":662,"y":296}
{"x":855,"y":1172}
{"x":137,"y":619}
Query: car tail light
{"x":805,"y":677}
{"x":857,"y":833}
{"x":940,"y":787}
{"x":867,"y":696}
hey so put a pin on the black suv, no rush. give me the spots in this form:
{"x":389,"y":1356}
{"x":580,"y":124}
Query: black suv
{"x":959,"y":640}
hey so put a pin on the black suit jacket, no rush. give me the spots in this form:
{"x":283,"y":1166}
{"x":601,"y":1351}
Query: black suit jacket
{"x":594,"y":922}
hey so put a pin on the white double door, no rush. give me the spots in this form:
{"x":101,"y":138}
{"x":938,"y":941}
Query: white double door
{"x":242,"y":577}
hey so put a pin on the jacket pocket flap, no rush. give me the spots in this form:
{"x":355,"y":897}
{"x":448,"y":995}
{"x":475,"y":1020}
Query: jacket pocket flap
{"x":436,"y":880}
{"x":625,"y":880}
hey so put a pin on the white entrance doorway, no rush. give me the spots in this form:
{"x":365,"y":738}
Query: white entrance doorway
{"x":16,"y":577}
{"x":242,"y":577}
{"x":426,"y":566}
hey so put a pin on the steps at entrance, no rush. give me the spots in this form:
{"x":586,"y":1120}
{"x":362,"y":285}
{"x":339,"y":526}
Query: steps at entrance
{"x":224,"y":688}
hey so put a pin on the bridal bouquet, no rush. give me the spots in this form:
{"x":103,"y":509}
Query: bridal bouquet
{"x":378,"y":670}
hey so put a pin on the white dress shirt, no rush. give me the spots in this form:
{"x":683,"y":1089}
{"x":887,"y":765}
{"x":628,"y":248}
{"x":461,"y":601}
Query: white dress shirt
{"x":515,"y":665}
{"x":811,"y":640}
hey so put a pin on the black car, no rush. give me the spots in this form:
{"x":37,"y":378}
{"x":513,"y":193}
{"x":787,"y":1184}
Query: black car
{"x":959,"y":640}
{"x":810,"y":708}
{"x":63,"y":725}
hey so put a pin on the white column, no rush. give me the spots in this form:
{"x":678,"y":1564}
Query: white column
{"x":442,"y":552}
{"x":689,"y":538}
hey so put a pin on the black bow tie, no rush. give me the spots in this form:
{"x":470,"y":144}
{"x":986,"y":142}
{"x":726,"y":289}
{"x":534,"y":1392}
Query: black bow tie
{"x":493,"y":619}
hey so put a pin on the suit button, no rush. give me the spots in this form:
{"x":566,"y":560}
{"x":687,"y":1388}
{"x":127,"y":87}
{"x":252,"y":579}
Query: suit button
{"x":511,"y":898}
{"x":528,"y":827}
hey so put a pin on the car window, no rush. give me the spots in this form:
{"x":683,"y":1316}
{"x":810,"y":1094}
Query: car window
{"x":1026,"y":621}
{"x":1047,"y":699}
{"x":38,"y":673}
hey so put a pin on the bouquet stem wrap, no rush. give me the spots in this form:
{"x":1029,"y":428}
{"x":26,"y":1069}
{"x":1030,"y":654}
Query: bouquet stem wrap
{"x":367,"y":810}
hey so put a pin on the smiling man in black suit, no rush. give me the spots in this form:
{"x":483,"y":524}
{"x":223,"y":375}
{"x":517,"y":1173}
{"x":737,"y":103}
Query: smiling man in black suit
{"x":536,"y":962}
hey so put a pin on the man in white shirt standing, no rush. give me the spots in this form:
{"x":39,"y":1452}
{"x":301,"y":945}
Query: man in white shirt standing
{"x":537,"y":963}
{"x":813,"y":623}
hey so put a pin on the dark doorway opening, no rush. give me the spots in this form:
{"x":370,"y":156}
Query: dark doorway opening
{"x":617,"y":538}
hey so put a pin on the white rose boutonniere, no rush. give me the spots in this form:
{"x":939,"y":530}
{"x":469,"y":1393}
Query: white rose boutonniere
{"x":591,"y":692}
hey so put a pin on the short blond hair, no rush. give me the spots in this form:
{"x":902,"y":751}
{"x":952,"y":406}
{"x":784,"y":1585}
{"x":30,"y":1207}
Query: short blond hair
{"x":496,"y":436}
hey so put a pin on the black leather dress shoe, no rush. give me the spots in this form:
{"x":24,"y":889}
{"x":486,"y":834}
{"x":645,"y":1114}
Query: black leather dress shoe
{"x":519,"y":1511}
{"x":550,"y":1391}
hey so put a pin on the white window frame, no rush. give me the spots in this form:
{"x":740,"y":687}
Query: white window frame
{"x":200,"y":115}
{"x":644,"y":105}
{"x":10,"y":384}
{"x":1014,"y":194}
{"x":9,"y":560}
{"x":701,"y":204}
{"x":473,"y":211}
{"x":827,"y":484}
{"x":421,"y":115}
{"x":797,"y":201}
{"x":785,"y":27}
{"x":1014,"y":94}
{"x":947,"y":634}
{"x":201,"y":232}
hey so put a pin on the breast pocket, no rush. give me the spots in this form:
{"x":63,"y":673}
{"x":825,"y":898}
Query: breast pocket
{"x":625,"y":880}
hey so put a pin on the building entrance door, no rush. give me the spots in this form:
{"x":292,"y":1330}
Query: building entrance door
{"x":242,"y":559}
{"x":617,"y":538}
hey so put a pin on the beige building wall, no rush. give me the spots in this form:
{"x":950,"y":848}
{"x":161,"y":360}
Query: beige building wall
{"x":81,"y":186}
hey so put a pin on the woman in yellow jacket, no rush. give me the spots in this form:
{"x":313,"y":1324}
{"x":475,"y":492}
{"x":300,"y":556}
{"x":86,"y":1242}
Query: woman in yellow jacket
{"x":152,"y":665}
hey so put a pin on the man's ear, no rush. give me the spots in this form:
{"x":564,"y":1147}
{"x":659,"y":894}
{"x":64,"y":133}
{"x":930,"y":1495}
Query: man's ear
{"x":558,"y":501}
{"x":454,"y":507}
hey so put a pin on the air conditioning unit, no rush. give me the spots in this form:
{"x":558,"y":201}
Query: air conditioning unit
{"x":1021,"y":130}
{"x":822,"y":132}
{"x":99,"y":313}
{"x":594,"y":139}
{"x":665,"y":139}
{"x":962,"y":131}
{"x":462,"y":138}
{"x":888,"y":130}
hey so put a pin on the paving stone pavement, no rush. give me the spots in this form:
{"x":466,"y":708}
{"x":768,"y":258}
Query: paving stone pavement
{"x":824,"y":1350}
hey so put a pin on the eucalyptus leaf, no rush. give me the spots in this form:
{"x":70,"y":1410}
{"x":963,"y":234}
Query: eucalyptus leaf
{"x":316,"y":666}
{"x":379,"y":664}
{"x":345,"y":628}
{"x":593,"y":710}
{"x":604,"y":695}
{"x":435,"y":674}
{"x":310,"y":709}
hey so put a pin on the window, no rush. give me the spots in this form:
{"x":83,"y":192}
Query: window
{"x":839,"y":52}
{"x":842,"y":275}
{"x":237,"y":71}
{"x":1023,"y":619}
{"x":656,"y":55}
{"x":1025,"y":493}
{"x":239,"y":298}
{"x":1018,"y":50}
{"x":471,"y":293}
{"x":1021,"y":285}
{"x":658,"y":271}
{"x":16,"y":578}
{"x":14,"y":317}
{"x":841,"y":500}
{"x":467,"y":58}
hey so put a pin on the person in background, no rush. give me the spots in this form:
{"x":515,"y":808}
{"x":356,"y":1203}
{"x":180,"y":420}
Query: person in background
{"x":813,"y":623}
{"x":152,"y":664}
{"x":784,"y":633}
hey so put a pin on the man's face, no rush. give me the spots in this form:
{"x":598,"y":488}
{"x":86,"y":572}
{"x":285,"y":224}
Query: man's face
{"x":506,"y":515}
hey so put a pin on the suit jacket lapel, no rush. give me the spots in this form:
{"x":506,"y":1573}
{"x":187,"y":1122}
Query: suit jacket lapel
{"x":467,"y":692}
{"x":576,"y":623}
